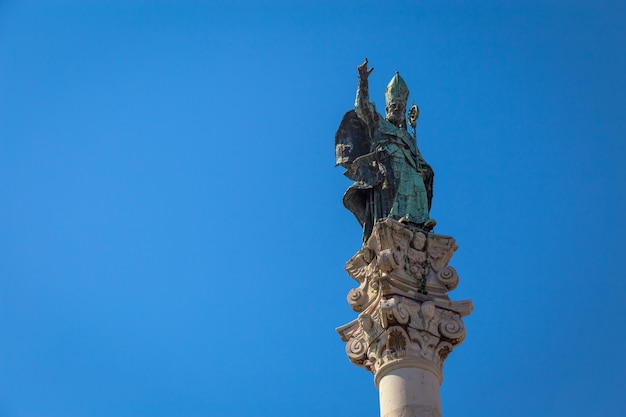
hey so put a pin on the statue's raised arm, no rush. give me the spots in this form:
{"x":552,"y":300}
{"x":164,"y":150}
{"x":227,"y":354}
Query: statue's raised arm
{"x":364,"y":109}
{"x":354,"y":136}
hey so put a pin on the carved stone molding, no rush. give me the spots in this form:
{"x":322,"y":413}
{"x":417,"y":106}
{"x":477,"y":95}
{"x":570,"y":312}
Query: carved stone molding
{"x":399,"y":259}
{"x":400,"y":332}
{"x":406,"y":317}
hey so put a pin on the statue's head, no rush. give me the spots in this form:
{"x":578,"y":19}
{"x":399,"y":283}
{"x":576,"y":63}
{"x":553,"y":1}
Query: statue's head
{"x":396,"y":96}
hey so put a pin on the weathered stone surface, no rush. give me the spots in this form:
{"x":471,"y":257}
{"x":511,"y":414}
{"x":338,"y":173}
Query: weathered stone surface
{"x":399,"y":259}
{"x":398,"y":330}
{"x":409,"y":392}
{"x":406,"y":322}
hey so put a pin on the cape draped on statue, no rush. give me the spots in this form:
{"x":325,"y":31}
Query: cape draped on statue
{"x":391,"y":179}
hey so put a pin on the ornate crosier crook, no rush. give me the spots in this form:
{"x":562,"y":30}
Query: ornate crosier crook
{"x":414,"y":114}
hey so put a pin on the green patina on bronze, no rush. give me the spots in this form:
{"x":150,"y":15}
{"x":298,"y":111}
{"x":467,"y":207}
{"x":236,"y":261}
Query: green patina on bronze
{"x":391,"y":179}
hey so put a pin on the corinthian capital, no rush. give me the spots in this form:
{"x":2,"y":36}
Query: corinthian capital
{"x":406,"y":317}
{"x":400,"y":332}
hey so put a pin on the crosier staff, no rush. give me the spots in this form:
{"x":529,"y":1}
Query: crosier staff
{"x":414,"y":114}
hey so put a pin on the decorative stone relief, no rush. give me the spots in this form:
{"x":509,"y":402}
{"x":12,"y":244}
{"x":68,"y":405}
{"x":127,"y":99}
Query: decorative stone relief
{"x":400,"y":328}
{"x":406,"y":317}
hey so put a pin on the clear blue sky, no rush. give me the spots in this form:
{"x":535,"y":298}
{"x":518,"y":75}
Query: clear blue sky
{"x":172,"y":237}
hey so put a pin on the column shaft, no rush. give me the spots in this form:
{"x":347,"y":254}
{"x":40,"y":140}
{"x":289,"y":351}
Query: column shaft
{"x":409,"y":392}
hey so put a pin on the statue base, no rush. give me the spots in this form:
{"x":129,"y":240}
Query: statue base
{"x":407,"y":325}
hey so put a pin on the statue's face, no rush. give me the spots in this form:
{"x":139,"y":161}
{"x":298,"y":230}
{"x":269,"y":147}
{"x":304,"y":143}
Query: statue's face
{"x":396,"y":112}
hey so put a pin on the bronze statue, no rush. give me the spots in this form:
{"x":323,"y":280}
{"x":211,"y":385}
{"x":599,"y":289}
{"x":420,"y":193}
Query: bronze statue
{"x":391,"y":179}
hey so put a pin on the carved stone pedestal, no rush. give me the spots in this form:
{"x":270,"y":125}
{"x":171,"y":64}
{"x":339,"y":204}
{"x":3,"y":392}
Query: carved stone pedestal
{"x":407,"y":324}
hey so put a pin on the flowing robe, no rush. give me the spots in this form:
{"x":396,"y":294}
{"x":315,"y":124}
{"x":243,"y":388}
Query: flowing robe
{"x":391,"y":179}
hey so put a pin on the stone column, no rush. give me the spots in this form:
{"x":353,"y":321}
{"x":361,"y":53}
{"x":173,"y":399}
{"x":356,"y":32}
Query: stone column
{"x":409,"y":391}
{"x":407,"y":324}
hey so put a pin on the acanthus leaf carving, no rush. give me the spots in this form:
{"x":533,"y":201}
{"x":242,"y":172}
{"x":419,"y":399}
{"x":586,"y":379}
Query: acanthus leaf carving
{"x":405,"y":313}
{"x":401,"y":328}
